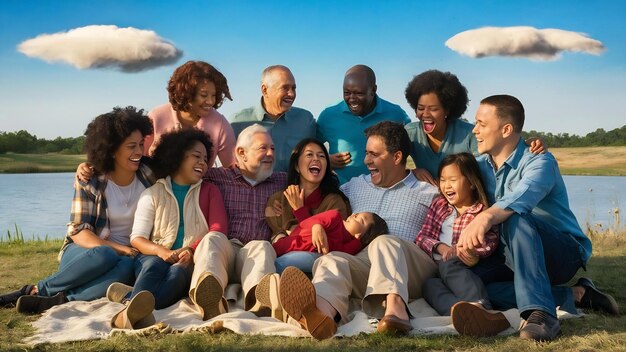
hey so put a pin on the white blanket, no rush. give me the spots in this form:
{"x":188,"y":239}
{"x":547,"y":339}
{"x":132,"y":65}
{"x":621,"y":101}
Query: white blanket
{"x":78,"y":320}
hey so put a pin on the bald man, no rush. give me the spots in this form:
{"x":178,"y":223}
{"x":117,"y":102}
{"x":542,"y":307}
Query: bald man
{"x":287,"y":124}
{"x":343,"y":125}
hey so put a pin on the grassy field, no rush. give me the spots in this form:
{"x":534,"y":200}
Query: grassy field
{"x":31,"y":163}
{"x":592,"y":161}
{"x":22,"y":263}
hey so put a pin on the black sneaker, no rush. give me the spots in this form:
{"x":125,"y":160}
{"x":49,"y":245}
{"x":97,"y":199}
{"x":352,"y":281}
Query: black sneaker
{"x":9,"y":299}
{"x":38,"y":304}
{"x":540,"y":326}
{"x":596,"y":299}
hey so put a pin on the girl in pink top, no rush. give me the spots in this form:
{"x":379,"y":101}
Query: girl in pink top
{"x":196,"y":89}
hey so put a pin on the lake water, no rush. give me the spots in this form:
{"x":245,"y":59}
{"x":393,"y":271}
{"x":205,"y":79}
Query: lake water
{"x":40,"y":203}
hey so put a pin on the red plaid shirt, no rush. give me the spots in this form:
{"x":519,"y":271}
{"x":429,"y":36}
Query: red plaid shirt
{"x":245,"y":204}
{"x":438,"y":211}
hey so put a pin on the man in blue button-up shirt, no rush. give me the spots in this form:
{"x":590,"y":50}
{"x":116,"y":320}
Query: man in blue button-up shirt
{"x":541,"y":241}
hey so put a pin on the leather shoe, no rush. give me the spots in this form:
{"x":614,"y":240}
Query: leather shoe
{"x":472,"y":319}
{"x":391,"y":324}
{"x":540,"y":326}
{"x":596,"y":299}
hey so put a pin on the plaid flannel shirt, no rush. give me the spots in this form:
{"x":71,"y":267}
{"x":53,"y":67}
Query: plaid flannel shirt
{"x":89,"y":205}
{"x":439,"y":210}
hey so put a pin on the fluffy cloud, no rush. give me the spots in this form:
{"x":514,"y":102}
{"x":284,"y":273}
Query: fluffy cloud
{"x":125,"y":49}
{"x":527,"y":42}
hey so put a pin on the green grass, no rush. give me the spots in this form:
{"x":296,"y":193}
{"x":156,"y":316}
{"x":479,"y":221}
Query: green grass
{"x":32,"y":163}
{"x":26,"y":262}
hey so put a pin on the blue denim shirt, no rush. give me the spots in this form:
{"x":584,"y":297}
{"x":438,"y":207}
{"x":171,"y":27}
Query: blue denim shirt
{"x":532,"y":184}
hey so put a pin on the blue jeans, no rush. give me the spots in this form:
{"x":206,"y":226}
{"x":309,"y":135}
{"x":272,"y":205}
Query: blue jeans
{"x":84,"y":274}
{"x":168,"y":283}
{"x":301,"y":260}
{"x":540,"y":257}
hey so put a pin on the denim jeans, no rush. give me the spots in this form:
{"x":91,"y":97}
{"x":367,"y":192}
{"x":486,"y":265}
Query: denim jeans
{"x":84,"y":274}
{"x":540,"y":257}
{"x":167,"y":282}
{"x":301,"y":260}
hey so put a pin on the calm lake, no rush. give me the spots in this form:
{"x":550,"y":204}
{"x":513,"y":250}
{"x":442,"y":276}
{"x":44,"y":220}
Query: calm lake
{"x":40,"y":203}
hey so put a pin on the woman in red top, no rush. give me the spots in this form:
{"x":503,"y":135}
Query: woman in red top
{"x":313,"y":188}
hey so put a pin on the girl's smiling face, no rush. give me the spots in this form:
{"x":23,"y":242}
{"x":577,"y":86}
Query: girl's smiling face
{"x":193,"y":167}
{"x":455,"y":187}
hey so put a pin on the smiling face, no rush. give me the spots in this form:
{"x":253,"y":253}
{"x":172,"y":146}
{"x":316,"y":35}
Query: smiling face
{"x":258,"y":158}
{"x":385,"y":168}
{"x":128,"y":154}
{"x":194,"y":165}
{"x":312,"y":164}
{"x":204,"y":99}
{"x":358,"y":223}
{"x":359,"y":94}
{"x":456,"y":187}
{"x":279,"y":92}
{"x":488,"y":130}
{"x":432,"y":115}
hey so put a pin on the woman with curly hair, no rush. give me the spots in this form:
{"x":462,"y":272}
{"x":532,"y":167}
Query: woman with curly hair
{"x":196,"y":89}
{"x":439,"y":100}
{"x":97,"y":250}
{"x":312,"y":188}
{"x":173,"y":216}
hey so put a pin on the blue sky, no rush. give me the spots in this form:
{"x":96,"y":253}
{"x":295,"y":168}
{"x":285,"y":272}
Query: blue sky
{"x":577,"y":93}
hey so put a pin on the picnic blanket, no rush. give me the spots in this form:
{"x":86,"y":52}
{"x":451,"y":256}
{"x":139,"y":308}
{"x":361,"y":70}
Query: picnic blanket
{"x":80,"y":320}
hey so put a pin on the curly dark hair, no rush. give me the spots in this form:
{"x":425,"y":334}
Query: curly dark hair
{"x":107,"y":132}
{"x":185,"y":80}
{"x":330,"y":182}
{"x":379,"y":227}
{"x":395,"y":136}
{"x":451,"y":93}
{"x":171,"y":148}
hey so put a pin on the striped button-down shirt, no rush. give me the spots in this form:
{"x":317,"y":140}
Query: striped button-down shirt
{"x":439,"y":210}
{"x":245,"y":204}
{"x":403,"y":206}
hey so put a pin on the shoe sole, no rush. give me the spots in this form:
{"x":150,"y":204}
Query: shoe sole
{"x":266,"y":293}
{"x":207,"y":296}
{"x":298,"y":298}
{"x":138,"y":308}
{"x":117,"y":291}
{"x":471,"y":320}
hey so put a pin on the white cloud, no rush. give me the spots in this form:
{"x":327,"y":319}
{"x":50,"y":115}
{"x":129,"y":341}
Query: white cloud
{"x":99,"y":46}
{"x":527,"y":42}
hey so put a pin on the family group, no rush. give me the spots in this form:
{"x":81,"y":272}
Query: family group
{"x":306,"y":214}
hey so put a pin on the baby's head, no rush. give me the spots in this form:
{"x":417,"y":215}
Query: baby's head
{"x":365,"y":226}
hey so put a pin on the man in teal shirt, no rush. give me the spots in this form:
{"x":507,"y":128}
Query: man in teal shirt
{"x":286,"y":124}
{"x":343,"y":125}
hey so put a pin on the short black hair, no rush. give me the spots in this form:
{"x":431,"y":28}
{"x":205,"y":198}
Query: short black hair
{"x":170,"y":150}
{"x":509,"y":109}
{"x":395,"y":136}
{"x":106,"y":133}
{"x":451,"y":93}
{"x":379,"y":227}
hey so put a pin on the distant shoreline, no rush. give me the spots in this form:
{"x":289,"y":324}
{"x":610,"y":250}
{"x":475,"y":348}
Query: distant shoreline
{"x":583,"y":161}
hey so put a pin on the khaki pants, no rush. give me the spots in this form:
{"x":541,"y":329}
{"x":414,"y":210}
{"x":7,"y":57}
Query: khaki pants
{"x":229,"y":262}
{"x":388,"y":265}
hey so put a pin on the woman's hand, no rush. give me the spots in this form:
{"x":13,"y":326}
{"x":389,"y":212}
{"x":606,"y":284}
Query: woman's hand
{"x":127,"y":251}
{"x":276,"y":209}
{"x":168,"y":255}
{"x":537,"y":146}
{"x":295,"y":196}
{"x":319,"y":239}
{"x":84,"y":172}
{"x":185,"y":256}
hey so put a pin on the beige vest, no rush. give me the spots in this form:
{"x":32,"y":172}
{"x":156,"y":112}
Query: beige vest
{"x":166,"y":214}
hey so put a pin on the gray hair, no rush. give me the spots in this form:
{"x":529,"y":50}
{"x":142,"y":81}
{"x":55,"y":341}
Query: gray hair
{"x":245,"y":137}
{"x":265,"y":76}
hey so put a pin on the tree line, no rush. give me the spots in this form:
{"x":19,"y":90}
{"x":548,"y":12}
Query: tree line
{"x":24,"y":143}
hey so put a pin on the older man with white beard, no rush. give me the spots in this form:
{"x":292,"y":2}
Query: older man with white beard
{"x":245,"y":255}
